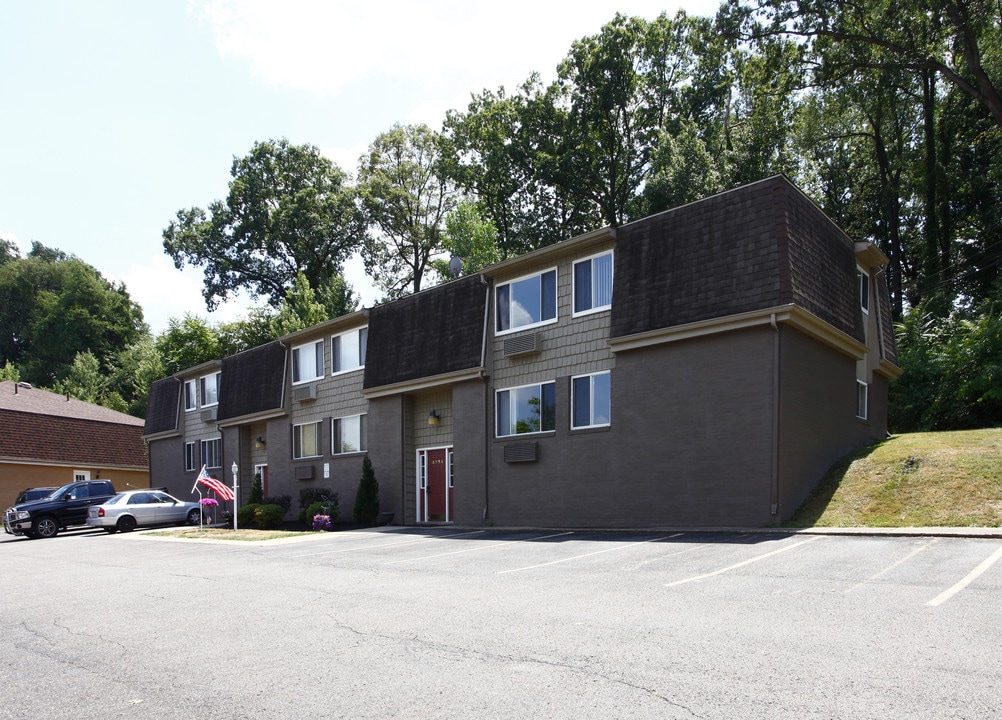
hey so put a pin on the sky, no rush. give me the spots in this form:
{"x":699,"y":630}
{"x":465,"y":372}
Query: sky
{"x":115,"y":114}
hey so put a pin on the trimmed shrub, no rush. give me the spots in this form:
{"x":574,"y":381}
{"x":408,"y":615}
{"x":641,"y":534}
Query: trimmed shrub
{"x":268,"y":517}
{"x":367,"y":498}
{"x":257,"y":490}
{"x":283,"y":501}
{"x":310,"y":495}
{"x":245,"y":515}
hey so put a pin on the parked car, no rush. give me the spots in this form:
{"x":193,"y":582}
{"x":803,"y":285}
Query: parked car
{"x":63,"y":508}
{"x":133,"y":508}
{"x":32,"y":494}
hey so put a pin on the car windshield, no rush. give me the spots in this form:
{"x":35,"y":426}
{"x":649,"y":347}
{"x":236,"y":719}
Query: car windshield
{"x":114,"y":499}
{"x":58,"y":492}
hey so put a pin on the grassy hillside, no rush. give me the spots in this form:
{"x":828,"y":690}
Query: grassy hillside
{"x":918,"y":479}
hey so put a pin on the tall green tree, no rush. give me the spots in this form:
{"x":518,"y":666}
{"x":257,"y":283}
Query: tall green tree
{"x":408,"y":196}
{"x":289,"y":210}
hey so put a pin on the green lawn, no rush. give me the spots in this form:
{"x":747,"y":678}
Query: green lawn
{"x":918,"y":479}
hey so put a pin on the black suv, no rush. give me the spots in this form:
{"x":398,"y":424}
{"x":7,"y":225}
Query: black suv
{"x":64,"y":508}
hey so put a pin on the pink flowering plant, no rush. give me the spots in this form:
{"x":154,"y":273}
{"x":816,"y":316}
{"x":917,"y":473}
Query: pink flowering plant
{"x":322,"y":522}
{"x":209,"y":503}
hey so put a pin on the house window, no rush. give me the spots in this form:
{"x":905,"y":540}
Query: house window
{"x":864,"y":290}
{"x":593,"y":284}
{"x":209,"y":385}
{"x":527,"y":409}
{"x":526,"y":302}
{"x":212,"y":453}
{"x":308,"y":362}
{"x":306,"y":440}
{"x":348,"y":434}
{"x":862,"y":399}
{"x":189,"y":456}
{"x":348,"y":350}
{"x":190,"y":401}
{"x":590,"y":401}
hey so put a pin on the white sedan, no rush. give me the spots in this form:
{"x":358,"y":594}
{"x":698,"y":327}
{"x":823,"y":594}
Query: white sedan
{"x":132,"y":508}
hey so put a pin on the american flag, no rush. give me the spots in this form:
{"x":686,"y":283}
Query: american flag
{"x":214,"y":485}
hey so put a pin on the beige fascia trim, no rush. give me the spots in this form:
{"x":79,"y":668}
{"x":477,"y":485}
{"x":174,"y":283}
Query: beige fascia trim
{"x":791,"y":315}
{"x":255,"y":417}
{"x":869,"y":255}
{"x":889,"y":370}
{"x":557,"y":250}
{"x":423,"y":383}
{"x":35,"y":462}
{"x":162,"y":435}
{"x":344,"y":322}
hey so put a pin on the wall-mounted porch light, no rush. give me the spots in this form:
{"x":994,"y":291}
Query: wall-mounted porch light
{"x":433,"y":418}
{"x":259,"y":443}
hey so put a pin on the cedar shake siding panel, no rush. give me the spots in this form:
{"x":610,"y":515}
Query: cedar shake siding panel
{"x":163,"y":407}
{"x":252,"y":381}
{"x":434,"y":332}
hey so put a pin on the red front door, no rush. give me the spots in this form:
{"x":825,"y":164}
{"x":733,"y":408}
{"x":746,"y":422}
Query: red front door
{"x":435,"y":491}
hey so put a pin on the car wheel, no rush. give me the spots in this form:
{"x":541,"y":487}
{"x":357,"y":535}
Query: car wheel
{"x":194,"y":517}
{"x":127,"y":523}
{"x":45,"y":527}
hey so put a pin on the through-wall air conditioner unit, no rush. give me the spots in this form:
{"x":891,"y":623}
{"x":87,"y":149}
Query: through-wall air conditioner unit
{"x":209,"y":414}
{"x":305,"y":393}
{"x":520,"y":452}
{"x":523,"y":345}
{"x":304,"y":472}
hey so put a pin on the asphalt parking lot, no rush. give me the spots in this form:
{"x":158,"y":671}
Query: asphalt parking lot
{"x":461,"y":623}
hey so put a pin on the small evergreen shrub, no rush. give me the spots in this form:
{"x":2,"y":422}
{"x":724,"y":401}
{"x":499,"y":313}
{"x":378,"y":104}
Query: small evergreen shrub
{"x":310,"y":495}
{"x":257,"y":490}
{"x":283,"y":501}
{"x":245,"y":515}
{"x":268,"y":517}
{"x":367,"y":497}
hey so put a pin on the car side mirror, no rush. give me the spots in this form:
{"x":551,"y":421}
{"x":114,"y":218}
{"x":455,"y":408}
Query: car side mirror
{"x":67,"y":496}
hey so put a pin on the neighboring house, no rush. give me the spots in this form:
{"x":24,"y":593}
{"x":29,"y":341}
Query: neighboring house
{"x":699,"y":367}
{"x":47,"y":439}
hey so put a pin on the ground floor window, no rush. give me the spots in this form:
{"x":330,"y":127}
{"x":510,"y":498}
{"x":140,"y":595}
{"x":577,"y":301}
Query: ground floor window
{"x":862,"y":399}
{"x":590,"y":401}
{"x":212,"y":453}
{"x":526,"y":409}
{"x":305,"y":440}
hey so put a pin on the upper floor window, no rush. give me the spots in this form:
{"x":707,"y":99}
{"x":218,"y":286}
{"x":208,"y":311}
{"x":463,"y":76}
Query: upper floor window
{"x":308,"y":362}
{"x":590,"y":401}
{"x":348,"y":350}
{"x":209,"y":386}
{"x":348,"y":434}
{"x":189,"y":456}
{"x":529,"y":301}
{"x":526,"y":409}
{"x":305,"y":440}
{"x":864,"y":290}
{"x":593,"y":283}
{"x":190,"y":401}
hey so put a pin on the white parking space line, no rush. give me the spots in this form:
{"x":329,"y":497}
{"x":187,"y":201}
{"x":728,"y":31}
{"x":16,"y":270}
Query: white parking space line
{"x":478,"y":548}
{"x":578,"y":557}
{"x":749,"y":561}
{"x":968,"y":579}
{"x":414,"y":541}
{"x":890,"y":567}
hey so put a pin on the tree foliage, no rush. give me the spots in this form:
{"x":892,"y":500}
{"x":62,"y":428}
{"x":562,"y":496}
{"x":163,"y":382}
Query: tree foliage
{"x":289,"y":210}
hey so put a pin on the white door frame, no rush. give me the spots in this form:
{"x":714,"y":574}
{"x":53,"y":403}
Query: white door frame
{"x":421,"y":480}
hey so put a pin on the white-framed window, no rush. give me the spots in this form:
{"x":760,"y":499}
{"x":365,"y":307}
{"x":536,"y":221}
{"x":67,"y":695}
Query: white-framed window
{"x":190,"y":458}
{"x":212,"y":453}
{"x":593,"y":284}
{"x":308,"y":362}
{"x":526,"y":302}
{"x":862,"y":399}
{"x":526,"y":409}
{"x":348,"y":350}
{"x":591,"y":401}
{"x":864,"y":289}
{"x":348,"y":434}
{"x":190,"y":401}
{"x":209,"y":387}
{"x":306,"y":440}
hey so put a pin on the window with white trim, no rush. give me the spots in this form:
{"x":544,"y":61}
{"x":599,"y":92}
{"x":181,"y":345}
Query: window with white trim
{"x":593,"y":284}
{"x":348,"y":434}
{"x":862,"y":399}
{"x":864,"y":289}
{"x":209,"y":387}
{"x":526,"y":409}
{"x":590,"y":401}
{"x":212,"y":453}
{"x":308,"y":362}
{"x":190,"y":401}
{"x":306,"y":440}
{"x":189,"y":456}
{"x":526,"y":302}
{"x":348,"y":350}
